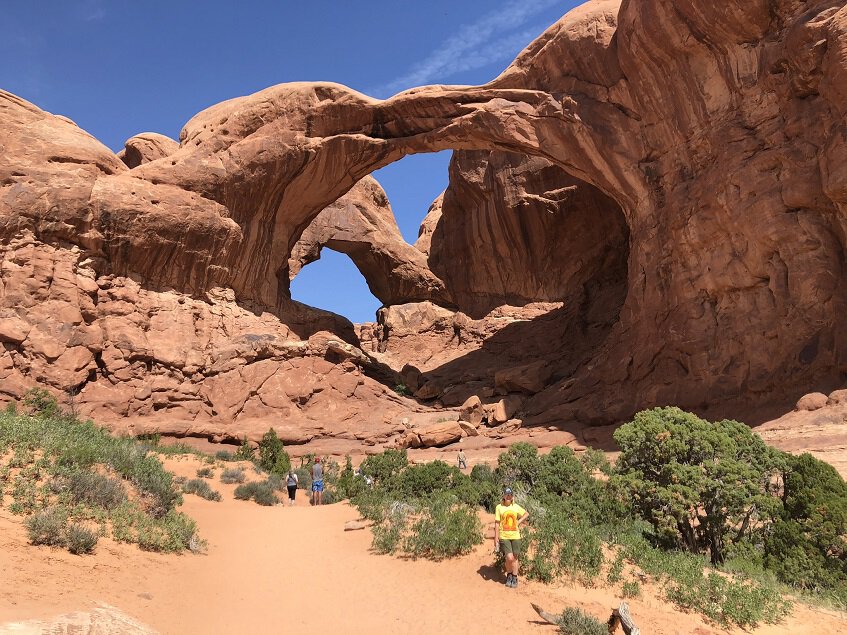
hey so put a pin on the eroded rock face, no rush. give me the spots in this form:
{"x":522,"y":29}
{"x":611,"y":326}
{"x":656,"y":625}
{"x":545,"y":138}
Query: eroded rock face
{"x":146,"y":147}
{"x":362,"y":225}
{"x":717,"y":130}
{"x":144,"y":361}
{"x":513,"y":229}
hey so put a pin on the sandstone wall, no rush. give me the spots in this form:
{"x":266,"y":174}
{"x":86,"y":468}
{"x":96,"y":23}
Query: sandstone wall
{"x":717,"y":130}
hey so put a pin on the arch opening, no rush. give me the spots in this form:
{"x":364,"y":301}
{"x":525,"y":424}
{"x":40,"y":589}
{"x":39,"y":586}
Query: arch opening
{"x":538,"y":261}
{"x":332,"y":282}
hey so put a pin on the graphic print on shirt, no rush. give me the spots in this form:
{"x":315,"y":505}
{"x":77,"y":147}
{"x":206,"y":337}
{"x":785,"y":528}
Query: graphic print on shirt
{"x":509,"y":521}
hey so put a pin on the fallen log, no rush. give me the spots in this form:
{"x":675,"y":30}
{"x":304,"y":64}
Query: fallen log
{"x":620,"y":617}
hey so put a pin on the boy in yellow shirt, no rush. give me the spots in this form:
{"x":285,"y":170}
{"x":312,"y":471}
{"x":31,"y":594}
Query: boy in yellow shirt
{"x":508,"y":518}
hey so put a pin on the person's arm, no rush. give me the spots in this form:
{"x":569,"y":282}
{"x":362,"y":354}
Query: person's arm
{"x":496,"y":536}
{"x":522,"y":518}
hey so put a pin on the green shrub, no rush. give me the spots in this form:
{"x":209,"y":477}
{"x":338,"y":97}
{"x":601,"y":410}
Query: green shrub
{"x":47,"y":527}
{"x":702,"y":485}
{"x":444,"y":528}
{"x":233,"y":475}
{"x":349,"y":484}
{"x":174,"y":449}
{"x":615,"y":570}
{"x":519,"y":464}
{"x":304,"y":478}
{"x":272,"y":455}
{"x":80,"y":539}
{"x":225,"y":455}
{"x":388,"y":532}
{"x":202,"y":489}
{"x":261,"y":492}
{"x":402,"y":390}
{"x":172,"y":532}
{"x":576,"y":622}
{"x":93,"y":489}
{"x":631,"y":589}
{"x":68,"y":450}
{"x":41,"y":403}
{"x":807,"y":547}
{"x":595,"y":461}
{"x":244,"y":451}
{"x":372,"y":504}
{"x":205,"y":472}
{"x":487,"y":488}
{"x":383,"y":466}
{"x":688,"y":584}
{"x":560,"y":545}
{"x":276,"y":482}
{"x":424,"y":480}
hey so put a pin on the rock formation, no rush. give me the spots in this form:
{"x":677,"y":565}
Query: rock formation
{"x":362,"y":225}
{"x":513,"y":229}
{"x":146,"y":147}
{"x":692,"y":156}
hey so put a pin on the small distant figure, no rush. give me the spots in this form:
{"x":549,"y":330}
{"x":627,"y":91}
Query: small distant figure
{"x":507,"y":534}
{"x":317,"y":482}
{"x":463,"y":461}
{"x":292,"y":482}
{"x":460,"y":321}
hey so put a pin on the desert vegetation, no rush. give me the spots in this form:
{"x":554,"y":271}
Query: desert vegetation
{"x":721,"y":523}
{"x":75,"y":483}
{"x":704,"y":512}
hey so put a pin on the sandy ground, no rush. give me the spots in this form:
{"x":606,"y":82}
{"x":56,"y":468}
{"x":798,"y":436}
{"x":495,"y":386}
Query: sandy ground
{"x":295,"y":570}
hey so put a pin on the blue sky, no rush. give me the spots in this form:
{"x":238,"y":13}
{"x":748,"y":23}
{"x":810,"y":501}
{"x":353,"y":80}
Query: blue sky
{"x":118,"y":68}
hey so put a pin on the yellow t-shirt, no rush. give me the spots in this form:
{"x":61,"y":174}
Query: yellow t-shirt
{"x":507,"y":516}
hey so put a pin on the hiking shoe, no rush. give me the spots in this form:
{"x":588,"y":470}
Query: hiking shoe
{"x":514,"y":581}
{"x":510,"y":580}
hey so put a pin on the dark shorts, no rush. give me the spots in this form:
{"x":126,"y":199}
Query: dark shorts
{"x":318,"y":486}
{"x":510,"y":546}
{"x":292,"y":491}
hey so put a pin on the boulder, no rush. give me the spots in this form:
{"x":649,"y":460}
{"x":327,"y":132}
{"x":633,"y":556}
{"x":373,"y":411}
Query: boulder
{"x":412,"y":378}
{"x":505,"y":408}
{"x":14,"y":329}
{"x":812,"y":401}
{"x":529,"y":378}
{"x":472,"y":411}
{"x":837,"y":397}
{"x":468,"y":429}
{"x":430,"y":390}
{"x":438,"y":434}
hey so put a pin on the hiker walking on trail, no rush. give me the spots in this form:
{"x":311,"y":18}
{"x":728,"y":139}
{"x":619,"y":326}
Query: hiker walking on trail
{"x":508,"y":518}
{"x":292,"y":482}
{"x":317,"y":482}
{"x":463,"y":461}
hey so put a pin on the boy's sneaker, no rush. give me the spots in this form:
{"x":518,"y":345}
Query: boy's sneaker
{"x":510,"y":580}
{"x":514,"y":581}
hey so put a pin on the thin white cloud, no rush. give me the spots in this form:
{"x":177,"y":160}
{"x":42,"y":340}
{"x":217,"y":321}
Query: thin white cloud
{"x":496,"y":37}
{"x":91,"y":11}
{"x":96,"y":15}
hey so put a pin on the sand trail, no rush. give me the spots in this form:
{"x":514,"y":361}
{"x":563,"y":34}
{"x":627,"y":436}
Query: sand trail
{"x":295,"y":570}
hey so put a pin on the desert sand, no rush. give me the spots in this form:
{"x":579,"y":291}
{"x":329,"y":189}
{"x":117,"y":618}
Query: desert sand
{"x":295,"y":570}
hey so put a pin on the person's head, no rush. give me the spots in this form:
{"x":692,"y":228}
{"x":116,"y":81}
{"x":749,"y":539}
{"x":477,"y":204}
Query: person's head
{"x":508,"y":497}
{"x":317,"y":459}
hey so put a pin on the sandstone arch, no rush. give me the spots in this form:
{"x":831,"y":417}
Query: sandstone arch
{"x":717,"y":130}
{"x":361,"y":225}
